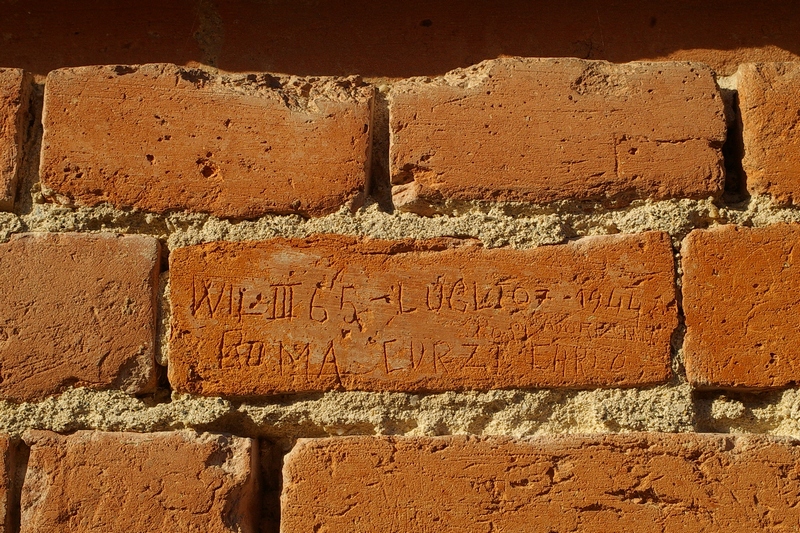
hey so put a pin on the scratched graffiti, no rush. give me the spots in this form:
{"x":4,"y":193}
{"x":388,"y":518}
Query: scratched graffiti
{"x":465,"y":317}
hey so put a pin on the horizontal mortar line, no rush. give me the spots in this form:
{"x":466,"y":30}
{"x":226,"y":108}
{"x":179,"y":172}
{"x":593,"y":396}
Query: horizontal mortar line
{"x":380,"y":224}
{"x":339,"y":413}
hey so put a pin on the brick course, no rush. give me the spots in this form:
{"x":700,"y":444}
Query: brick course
{"x":161,"y":138}
{"x":77,"y":310}
{"x":541,"y":130}
{"x":332,"y":312}
{"x":638,"y":483}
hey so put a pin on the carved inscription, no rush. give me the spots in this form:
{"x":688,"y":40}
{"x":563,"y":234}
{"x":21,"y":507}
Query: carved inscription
{"x":333,"y":312}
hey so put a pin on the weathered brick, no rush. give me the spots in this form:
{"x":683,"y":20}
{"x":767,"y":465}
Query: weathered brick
{"x":132,"y":482}
{"x":769,"y":99}
{"x":14,"y":99}
{"x":130,"y":135}
{"x":333,"y":312}
{"x":77,"y":310}
{"x":636,"y":482}
{"x":541,"y":130}
{"x":739,"y":286}
{"x":8,"y":471}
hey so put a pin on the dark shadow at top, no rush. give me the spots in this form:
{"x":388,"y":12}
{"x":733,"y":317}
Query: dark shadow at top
{"x":389,"y":39}
{"x":42,"y":35}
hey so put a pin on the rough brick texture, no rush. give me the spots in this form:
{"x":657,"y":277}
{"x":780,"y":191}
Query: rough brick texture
{"x":333,"y":312}
{"x":143,"y":483}
{"x":14,"y":99}
{"x":77,"y":309}
{"x":540,"y":130}
{"x":161,"y":137}
{"x":740,"y":290}
{"x":537,"y":165}
{"x":769,"y":99}
{"x":638,"y":483}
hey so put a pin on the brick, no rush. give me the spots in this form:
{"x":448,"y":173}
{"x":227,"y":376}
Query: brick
{"x":333,"y":312}
{"x":77,"y":310}
{"x":126,"y":482}
{"x":636,"y":482}
{"x":131,"y":136}
{"x":739,"y":287}
{"x":8,"y":483}
{"x":769,"y":100}
{"x":14,"y":101}
{"x":542,"y":130}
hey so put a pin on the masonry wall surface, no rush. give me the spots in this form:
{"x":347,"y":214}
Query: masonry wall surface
{"x":346,"y":266}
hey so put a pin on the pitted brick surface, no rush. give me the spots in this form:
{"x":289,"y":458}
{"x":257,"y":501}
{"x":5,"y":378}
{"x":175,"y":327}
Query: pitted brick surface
{"x":541,"y":130}
{"x":161,"y":137}
{"x":769,"y":100}
{"x":740,"y":289}
{"x":77,"y":310}
{"x":139,"y":483}
{"x":637,"y":482}
{"x":333,"y":312}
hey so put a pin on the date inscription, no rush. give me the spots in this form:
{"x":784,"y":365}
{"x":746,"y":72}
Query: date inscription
{"x":337,"y":313}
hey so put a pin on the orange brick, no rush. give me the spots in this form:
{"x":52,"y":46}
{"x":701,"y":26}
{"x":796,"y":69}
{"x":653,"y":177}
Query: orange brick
{"x":14,"y":99}
{"x":161,"y":137}
{"x":541,"y":130}
{"x":333,"y":312}
{"x":740,"y":287}
{"x":637,"y":483}
{"x":77,"y":310}
{"x":132,"y":482}
{"x":769,"y":99}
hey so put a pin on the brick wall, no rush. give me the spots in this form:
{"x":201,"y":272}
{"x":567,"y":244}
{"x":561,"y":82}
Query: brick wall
{"x":444,"y":266}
